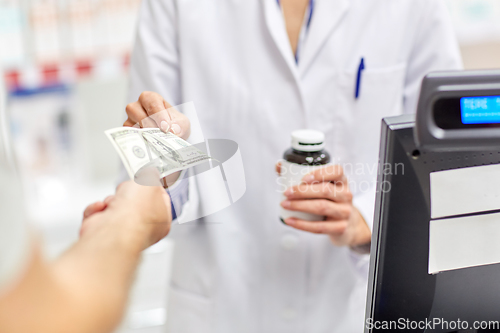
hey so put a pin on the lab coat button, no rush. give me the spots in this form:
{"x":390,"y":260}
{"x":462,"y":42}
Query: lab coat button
{"x":289,"y":242}
{"x":289,"y":314}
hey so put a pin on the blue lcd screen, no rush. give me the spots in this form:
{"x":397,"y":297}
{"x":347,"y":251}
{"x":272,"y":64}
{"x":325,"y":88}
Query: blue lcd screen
{"x":480,"y":110}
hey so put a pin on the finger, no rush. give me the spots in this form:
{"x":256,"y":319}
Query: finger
{"x":180,"y":124}
{"x":160,"y":119}
{"x":135,"y":112}
{"x":148,"y":123}
{"x":322,"y":190}
{"x":155,"y":107}
{"x":165,"y":126}
{"x":129,"y":123}
{"x":137,"y":115}
{"x":333,"y":210}
{"x":129,"y":189}
{"x":151,"y":102}
{"x":93,"y":208}
{"x":108,"y":199}
{"x":318,"y":227}
{"x":278,"y":168}
{"x":122,"y":187}
{"x":330,"y":173}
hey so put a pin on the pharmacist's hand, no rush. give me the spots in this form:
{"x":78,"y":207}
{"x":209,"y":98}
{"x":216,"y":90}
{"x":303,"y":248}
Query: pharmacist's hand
{"x":326,"y":192}
{"x":151,"y":110}
{"x":141,"y":213}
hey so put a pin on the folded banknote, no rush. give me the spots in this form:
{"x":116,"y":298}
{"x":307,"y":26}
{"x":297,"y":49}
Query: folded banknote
{"x":142,"y":148}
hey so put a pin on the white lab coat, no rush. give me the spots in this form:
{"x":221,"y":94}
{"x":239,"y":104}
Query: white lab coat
{"x":250,"y":273}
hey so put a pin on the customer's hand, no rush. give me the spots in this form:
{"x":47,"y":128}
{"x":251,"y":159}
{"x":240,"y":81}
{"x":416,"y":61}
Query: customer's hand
{"x":151,"y":110}
{"x":142,"y":212}
{"x":326,"y":192}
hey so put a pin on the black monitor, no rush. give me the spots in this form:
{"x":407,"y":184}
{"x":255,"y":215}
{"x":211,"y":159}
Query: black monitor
{"x":403,"y":295}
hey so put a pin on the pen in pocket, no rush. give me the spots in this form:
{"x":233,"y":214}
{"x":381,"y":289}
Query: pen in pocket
{"x":358,"y":78}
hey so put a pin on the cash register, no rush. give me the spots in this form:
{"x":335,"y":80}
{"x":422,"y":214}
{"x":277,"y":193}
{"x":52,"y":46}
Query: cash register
{"x":435,"y":253}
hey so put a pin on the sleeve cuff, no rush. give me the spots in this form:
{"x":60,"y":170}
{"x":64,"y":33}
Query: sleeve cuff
{"x":179,"y":194}
{"x":365,"y":204}
{"x":360,"y":263}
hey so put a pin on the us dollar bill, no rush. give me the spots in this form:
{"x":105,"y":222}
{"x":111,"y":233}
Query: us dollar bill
{"x":140,"y":148}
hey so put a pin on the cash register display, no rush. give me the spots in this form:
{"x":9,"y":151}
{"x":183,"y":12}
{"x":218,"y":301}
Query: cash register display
{"x":452,"y":113}
{"x":480,"y":110}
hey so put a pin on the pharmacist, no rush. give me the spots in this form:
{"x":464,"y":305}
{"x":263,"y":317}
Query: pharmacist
{"x":258,"y":70}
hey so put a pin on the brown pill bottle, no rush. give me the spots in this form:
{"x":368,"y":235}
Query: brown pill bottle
{"x":306,"y":154}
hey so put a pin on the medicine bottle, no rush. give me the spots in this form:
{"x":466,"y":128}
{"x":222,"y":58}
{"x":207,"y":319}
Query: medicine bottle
{"x":306,"y":154}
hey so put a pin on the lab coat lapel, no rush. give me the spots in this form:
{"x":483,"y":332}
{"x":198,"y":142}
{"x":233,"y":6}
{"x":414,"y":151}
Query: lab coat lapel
{"x":327,"y":15}
{"x":276,"y":25}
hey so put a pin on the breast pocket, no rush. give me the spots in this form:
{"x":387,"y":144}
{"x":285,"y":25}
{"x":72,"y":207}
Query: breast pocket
{"x":358,"y":120}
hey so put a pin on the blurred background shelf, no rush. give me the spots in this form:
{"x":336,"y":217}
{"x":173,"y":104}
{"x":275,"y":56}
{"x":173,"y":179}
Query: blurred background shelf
{"x":64,"y":66}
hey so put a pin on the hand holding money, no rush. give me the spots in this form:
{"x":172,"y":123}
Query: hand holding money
{"x":151,"y":110}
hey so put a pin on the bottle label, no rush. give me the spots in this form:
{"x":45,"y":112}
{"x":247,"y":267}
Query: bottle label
{"x":291,"y":175}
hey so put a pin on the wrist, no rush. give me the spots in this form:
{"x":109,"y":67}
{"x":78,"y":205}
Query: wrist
{"x":123,"y":230}
{"x":170,"y":180}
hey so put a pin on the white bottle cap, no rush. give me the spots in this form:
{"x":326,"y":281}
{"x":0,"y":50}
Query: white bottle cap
{"x":308,"y":140}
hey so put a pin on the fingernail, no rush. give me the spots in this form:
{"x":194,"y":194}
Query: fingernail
{"x":289,"y":221}
{"x":308,"y":178}
{"x":164,"y":126}
{"x":286,"y":204}
{"x":176,"y":129}
{"x":289,"y":192}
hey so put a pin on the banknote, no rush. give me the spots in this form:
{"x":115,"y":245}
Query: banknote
{"x":140,"y":148}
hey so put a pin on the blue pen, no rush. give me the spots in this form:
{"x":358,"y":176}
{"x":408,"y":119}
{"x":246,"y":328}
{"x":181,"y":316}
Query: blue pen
{"x":358,"y":79}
